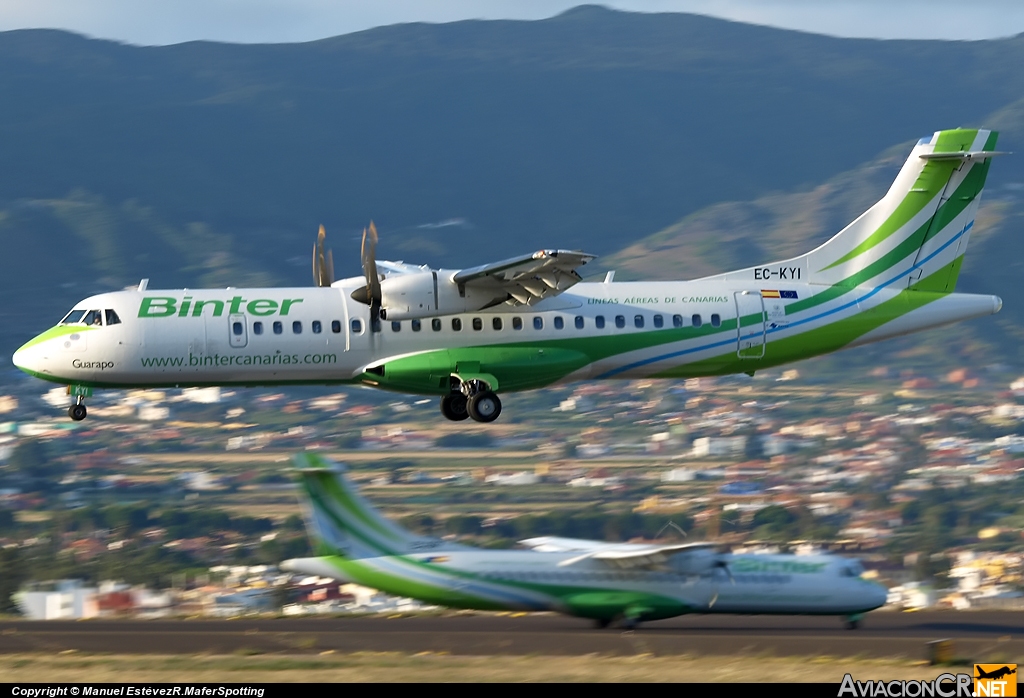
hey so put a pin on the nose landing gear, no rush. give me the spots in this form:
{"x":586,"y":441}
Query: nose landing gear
{"x":77,"y":411}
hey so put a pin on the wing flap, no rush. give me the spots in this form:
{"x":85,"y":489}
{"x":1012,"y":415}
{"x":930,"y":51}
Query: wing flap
{"x":530,"y":278}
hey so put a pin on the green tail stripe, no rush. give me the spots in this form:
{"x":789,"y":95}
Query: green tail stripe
{"x":954,"y":206}
{"x":933,"y":179}
{"x":348,"y":503}
{"x":324,"y":507}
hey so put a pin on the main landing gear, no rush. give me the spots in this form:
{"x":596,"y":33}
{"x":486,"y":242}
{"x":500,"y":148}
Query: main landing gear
{"x":621,"y":621}
{"x":472,"y":399}
{"x":77,"y":411}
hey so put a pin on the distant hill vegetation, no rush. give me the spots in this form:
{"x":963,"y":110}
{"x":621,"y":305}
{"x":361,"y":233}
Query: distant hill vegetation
{"x":213,"y":164}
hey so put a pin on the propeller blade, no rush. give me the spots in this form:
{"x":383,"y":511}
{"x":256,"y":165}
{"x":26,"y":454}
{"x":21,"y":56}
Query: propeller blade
{"x":369,"y":257}
{"x":323,"y":264}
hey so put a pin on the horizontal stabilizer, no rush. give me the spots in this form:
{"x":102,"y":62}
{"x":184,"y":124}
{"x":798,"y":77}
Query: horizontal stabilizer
{"x":963,"y":155}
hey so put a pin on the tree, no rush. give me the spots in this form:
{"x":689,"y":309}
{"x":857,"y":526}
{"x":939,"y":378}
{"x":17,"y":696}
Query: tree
{"x":13,"y":572}
{"x":774,"y":521}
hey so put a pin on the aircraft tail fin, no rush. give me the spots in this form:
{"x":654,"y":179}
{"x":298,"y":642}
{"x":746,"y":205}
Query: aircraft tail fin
{"x":341,"y":522}
{"x":915,"y":236}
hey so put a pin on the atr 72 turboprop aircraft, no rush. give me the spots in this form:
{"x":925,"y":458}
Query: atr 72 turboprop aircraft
{"x":528,"y":322}
{"x":627,"y":582}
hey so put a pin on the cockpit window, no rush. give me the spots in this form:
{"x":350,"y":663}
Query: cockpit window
{"x":112,"y":318}
{"x":852,"y":569}
{"x":73,"y":317}
{"x":93,"y":317}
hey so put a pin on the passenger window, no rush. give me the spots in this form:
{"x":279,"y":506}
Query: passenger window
{"x":478,"y":324}
{"x":357,"y":326}
{"x":517,"y":323}
{"x":457,"y":324}
{"x":435,"y":324}
{"x":538,"y":323}
{"x":317,"y":327}
{"x":72,"y":317}
{"x":716,"y":320}
{"x":677,"y":321}
{"x":579,"y":322}
{"x":659,"y":321}
{"x":559,"y":322}
{"x":297,"y":327}
{"x":257,"y":328}
{"x":93,"y":317}
{"x":396,"y":326}
{"x":336,"y":326}
{"x":112,"y":318}
{"x":620,"y":321}
{"x":236,"y":327}
{"x":599,"y":322}
{"x":416,"y":325}
{"x":638,"y":321}
{"x":496,"y":323}
{"x":697,"y":322}
{"x":278,"y":327}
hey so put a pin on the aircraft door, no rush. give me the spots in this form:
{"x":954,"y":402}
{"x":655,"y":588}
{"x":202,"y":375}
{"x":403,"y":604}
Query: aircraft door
{"x":749,"y":331}
{"x":238,"y":335}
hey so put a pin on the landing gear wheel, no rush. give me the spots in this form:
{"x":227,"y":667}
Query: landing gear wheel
{"x":851,"y":623}
{"x":484,"y":406}
{"x":77,"y":412}
{"x":602,"y":623}
{"x":453,"y":406}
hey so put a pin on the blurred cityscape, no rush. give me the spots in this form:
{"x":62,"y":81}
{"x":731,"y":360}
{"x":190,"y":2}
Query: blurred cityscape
{"x":179,"y":502}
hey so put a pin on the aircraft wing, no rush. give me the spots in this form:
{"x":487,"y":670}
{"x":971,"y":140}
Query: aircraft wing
{"x":530,"y":278}
{"x":556,"y":544}
{"x":638,"y":555}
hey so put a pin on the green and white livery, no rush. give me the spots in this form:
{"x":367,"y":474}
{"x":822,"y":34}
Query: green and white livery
{"x":529,"y":322}
{"x":591,"y":579}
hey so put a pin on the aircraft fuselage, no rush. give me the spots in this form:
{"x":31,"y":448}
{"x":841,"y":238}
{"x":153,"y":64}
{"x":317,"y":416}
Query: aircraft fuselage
{"x":278,"y":336}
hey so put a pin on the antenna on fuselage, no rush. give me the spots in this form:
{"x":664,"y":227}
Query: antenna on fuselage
{"x":143,"y":285}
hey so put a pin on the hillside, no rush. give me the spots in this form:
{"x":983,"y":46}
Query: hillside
{"x":206,"y":163}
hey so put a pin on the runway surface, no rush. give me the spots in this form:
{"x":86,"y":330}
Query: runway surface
{"x":981,"y":636}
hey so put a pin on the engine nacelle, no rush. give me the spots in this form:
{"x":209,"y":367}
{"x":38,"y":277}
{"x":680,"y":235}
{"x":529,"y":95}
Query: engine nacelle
{"x":431,"y":293}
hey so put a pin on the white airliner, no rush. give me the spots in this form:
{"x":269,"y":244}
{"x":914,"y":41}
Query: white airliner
{"x":606,"y":582}
{"x":528,"y":322}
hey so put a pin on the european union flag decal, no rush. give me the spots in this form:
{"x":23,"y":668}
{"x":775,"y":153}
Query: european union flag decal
{"x":788,"y":294}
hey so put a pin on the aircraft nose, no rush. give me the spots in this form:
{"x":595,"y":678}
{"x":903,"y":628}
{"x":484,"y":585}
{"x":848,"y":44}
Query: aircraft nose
{"x":877,"y":596}
{"x":26,"y":358}
{"x":20,"y":358}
